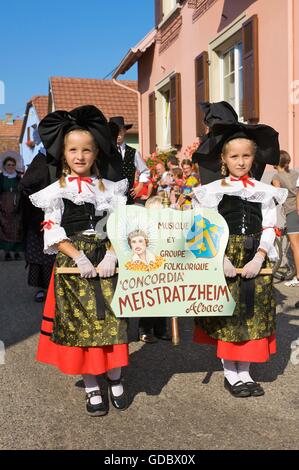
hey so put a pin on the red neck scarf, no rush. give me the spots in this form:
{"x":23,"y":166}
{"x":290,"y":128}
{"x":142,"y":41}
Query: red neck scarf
{"x":79,"y":181}
{"x":245,"y":180}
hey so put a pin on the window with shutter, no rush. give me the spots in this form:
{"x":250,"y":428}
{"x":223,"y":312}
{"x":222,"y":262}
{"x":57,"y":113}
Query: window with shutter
{"x":175,"y":110}
{"x":232,"y":77}
{"x":152,"y":122}
{"x":201,"y":89}
{"x":250,"y":70}
{"x":158,"y":11}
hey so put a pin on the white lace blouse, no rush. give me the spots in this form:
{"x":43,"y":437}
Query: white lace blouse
{"x":210,"y":195}
{"x":50,"y":200}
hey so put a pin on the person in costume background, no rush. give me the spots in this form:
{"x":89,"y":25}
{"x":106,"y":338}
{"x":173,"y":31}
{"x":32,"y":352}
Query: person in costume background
{"x":80,"y":333}
{"x":249,"y":208}
{"x":11,"y":234}
{"x":39,"y":265}
{"x":131,"y":160}
{"x":287,"y":178}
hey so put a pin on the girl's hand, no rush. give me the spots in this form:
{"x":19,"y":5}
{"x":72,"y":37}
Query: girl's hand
{"x":87,"y":270}
{"x":254,"y":266}
{"x":228,"y":268}
{"x":107,"y":266}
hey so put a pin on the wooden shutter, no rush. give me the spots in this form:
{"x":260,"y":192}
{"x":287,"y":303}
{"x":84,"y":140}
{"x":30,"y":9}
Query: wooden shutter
{"x":158,"y":11}
{"x":201,"y":89}
{"x":152,"y":122}
{"x":175,"y":110}
{"x":250,"y":70}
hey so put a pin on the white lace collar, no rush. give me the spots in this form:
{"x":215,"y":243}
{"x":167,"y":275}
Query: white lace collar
{"x":51,"y":196}
{"x":211,"y":194}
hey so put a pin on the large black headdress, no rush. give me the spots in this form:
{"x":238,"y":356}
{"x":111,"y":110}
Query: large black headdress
{"x":223,"y":129}
{"x":218,"y":112}
{"x":53,"y":128}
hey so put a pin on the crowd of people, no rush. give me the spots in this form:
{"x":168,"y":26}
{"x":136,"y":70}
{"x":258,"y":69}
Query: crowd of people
{"x":85,"y":172}
{"x":177,"y":178}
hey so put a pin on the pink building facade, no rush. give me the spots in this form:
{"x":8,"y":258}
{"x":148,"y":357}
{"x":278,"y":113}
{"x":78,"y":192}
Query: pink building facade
{"x":242,"y":51}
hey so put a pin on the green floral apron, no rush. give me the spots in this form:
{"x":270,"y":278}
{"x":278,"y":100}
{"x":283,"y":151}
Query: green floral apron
{"x":77,"y":319}
{"x":243,"y":325}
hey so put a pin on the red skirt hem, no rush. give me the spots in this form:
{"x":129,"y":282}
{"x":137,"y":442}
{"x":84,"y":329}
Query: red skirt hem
{"x":256,"y":350}
{"x":76,"y":360}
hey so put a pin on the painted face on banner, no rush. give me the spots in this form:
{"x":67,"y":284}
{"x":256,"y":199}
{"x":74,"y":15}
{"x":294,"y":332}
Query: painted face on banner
{"x":138,"y":245}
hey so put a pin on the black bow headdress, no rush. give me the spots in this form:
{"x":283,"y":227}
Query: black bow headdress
{"x":53,"y":128}
{"x":208,"y":154}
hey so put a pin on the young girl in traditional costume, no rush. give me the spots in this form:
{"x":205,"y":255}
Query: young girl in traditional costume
{"x":249,"y":208}
{"x":80,"y":333}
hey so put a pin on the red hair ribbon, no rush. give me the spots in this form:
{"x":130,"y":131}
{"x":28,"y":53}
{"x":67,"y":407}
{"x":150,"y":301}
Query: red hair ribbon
{"x":245,"y":180}
{"x":79,"y":181}
{"x":47,"y":224}
{"x":277,"y":231}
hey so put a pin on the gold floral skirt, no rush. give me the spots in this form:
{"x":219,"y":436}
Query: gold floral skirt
{"x":77,"y":319}
{"x":245,"y":324}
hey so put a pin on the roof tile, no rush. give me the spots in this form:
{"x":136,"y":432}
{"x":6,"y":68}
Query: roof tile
{"x":68,"y":93}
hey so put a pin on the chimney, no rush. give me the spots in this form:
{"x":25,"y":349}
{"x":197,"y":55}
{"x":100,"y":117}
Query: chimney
{"x":9,"y":119}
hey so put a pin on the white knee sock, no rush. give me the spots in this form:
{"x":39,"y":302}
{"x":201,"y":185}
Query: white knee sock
{"x":114,"y":374}
{"x":91,"y":384}
{"x":243,"y":371}
{"x":230,"y":371}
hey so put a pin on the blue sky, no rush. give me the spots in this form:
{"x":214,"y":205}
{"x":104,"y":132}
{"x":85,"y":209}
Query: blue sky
{"x":71,"y":38}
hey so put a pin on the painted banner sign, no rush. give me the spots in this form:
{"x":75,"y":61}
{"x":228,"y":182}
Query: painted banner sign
{"x":170,"y":263}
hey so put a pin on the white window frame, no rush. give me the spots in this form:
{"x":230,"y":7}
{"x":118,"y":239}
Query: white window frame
{"x":162,"y":132}
{"x":238,"y":67}
{"x":168,"y":6}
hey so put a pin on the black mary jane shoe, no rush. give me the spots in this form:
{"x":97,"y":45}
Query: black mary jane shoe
{"x":40,"y":297}
{"x":147,"y":338}
{"x":238,"y":390}
{"x":121,"y":402}
{"x":256,"y":390}
{"x":95,"y":410}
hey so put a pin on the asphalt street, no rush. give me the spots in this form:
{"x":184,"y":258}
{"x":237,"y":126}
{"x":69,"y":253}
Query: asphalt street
{"x":177,"y":398}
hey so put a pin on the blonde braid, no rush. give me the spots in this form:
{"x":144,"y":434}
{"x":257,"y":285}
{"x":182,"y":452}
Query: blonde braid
{"x":62,"y":182}
{"x":96,"y":171}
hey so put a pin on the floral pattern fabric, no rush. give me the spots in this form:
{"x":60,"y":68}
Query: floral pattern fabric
{"x":241,"y":326}
{"x":76,"y":318}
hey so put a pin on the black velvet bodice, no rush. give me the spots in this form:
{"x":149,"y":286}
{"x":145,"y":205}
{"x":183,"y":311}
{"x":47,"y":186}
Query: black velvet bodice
{"x":78,"y":218}
{"x":242,"y":217}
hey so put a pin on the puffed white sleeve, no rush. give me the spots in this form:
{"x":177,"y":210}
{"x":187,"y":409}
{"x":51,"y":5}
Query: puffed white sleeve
{"x":53,"y":232}
{"x":269,"y":219}
{"x":53,"y":209}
